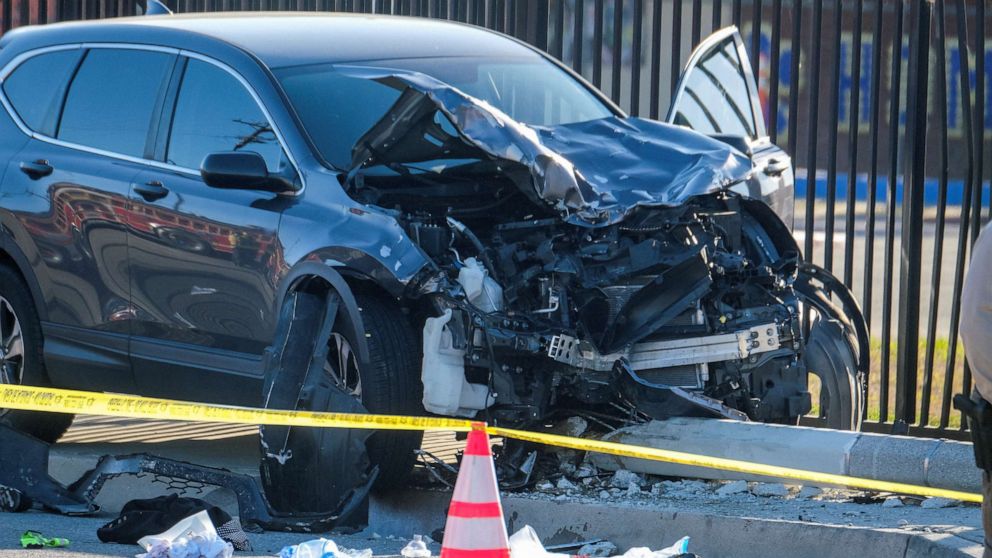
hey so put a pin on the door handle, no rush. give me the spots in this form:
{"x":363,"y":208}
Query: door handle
{"x":776,"y":167}
{"x":152,"y":190}
{"x":37,"y":169}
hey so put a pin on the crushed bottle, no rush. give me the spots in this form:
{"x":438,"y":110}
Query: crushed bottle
{"x":416,"y":548}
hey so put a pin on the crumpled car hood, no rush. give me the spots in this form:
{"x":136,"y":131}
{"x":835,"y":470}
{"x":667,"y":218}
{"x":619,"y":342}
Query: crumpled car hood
{"x":594,"y":173}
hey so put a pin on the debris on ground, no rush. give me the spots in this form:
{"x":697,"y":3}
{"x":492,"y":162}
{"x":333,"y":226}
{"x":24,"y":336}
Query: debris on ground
{"x":322,"y":548}
{"x":35,"y":540}
{"x":937,"y":502}
{"x":192,"y":537}
{"x":769,"y":489}
{"x":733,"y":487}
{"x":892,"y":502}
{"x":417,"y":548}
{"x":525,"y":543}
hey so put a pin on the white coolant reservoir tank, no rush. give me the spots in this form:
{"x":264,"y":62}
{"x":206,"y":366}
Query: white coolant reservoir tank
{"x":446,"y":391}
{"x":481,"y":290}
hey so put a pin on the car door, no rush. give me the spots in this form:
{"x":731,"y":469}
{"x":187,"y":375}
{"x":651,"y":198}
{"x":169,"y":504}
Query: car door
{"x":203,"y":261}
{"x":717,"y":96}
{"x":67,"y":194}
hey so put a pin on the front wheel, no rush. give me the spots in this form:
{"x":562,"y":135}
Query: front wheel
{"x":831,"y":357}
{"x":389,"y":384}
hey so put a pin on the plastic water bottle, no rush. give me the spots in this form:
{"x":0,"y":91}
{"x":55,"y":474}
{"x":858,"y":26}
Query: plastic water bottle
{"x":416,"y":548}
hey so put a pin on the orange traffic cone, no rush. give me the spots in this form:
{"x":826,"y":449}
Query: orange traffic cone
{"x":475,"y":527}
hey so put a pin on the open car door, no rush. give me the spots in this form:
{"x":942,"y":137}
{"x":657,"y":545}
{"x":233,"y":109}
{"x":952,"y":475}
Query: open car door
{"x":717,"y":96}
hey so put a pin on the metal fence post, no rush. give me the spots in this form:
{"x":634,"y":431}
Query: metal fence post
{"x":914,"y":174}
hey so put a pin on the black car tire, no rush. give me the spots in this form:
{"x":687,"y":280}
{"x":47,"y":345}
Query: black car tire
{"x":831,"y":357}
{"x":391,"y":385}
{"x":48,"y":427}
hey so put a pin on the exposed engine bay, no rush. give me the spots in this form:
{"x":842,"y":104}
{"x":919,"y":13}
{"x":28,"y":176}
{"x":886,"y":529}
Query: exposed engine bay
{"x":616,"y":266}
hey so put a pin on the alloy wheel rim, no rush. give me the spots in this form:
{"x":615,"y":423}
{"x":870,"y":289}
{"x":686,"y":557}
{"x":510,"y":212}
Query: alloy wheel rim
{"x":11,"y":347}
{"x":342,"y":366}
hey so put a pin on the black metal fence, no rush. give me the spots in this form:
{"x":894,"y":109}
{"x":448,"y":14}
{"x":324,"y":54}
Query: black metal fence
{"x":884,"y":106}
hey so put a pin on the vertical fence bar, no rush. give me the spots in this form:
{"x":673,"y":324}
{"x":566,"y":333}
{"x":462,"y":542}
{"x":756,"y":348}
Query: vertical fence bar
{"x":635,"y":58}
{"x":755,"y":37}
{"x":875,"y":100}
{"x":914,"y":177}
{"x":938,"y":242}
{"x":854,"y":107}
{"x":737,"y":15}
{"x":813,"y":92}
{"x":966,"y":203}
{"x":796,"y":56}
{"x":558,"y":46}
{"x":979,"y":127}
{"x":774,"y":70}
{"x":717,"y":14}
{"x":597,"y":44}
{"x":697,"y":21}
{"x":616,"y":68}
{"x":578,"y":34}
{"x":830,"y":219}
{"x":676,"y":46}
{"x":890,"y":216}
{"x":656,"y":22}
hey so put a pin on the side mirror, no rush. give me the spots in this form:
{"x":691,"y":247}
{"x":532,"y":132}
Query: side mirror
{"x":242,"y":170}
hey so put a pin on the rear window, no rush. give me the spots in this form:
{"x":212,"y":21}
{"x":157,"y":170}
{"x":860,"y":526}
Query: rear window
{"x":36,"y":87}
{"x":112,"y":97}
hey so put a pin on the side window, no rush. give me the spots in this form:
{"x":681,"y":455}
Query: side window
{"x":36,"y":87}
{"x":214,"y":112}
{"x":715,"y":98}
{"x":112,"y":97}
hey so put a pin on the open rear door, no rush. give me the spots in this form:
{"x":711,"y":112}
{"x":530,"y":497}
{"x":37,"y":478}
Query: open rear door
{"x":717,"y":96}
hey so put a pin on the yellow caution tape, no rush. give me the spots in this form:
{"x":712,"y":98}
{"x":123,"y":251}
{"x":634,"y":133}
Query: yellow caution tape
{"x":31,"y":398}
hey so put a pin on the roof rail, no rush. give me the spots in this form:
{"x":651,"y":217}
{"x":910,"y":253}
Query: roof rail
{"x":156,"y":7}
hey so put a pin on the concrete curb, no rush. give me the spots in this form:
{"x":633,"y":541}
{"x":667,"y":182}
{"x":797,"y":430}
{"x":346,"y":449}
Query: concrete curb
{"x":713,"y":536}
{"x":919,"y":461}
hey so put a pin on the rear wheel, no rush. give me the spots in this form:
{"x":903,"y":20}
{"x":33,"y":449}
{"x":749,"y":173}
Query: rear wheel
{"x":22,"y":358}
{"x":389,"y":384}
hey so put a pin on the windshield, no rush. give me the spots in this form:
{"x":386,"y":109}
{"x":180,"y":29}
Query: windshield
{"x":337,"y":109}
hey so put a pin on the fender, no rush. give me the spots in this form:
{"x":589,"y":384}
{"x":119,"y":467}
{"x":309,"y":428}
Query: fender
{"x":24,"y":267}
{"x":352,"y":319}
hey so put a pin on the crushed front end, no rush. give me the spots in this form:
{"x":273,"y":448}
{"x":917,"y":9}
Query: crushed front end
{"x":609,"y":267}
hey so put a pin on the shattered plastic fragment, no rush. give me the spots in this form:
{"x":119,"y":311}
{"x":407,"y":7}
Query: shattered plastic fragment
{"x":322,"y":548}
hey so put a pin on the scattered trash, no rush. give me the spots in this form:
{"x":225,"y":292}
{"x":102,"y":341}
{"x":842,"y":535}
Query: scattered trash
{"x":601,"y":548}
{"x":526,"y":544}
{"x":809,"y":492}
{"x":142,"y":518}
{"x":35,"y":540}
{"x":193,"y":537}
{"x":678,"y":549}
{"x":322,"y":548}
{"x":417,"y":548}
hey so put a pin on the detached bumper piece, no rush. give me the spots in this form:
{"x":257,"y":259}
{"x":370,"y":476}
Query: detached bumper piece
{"x":661,"y":401}
{"x":24,"y":477}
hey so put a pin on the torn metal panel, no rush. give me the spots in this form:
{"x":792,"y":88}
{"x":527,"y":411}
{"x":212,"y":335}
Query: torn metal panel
{"x":593,"y":173}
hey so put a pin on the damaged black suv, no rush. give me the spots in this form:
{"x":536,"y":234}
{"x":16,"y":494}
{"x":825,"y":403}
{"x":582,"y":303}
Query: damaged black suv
{"x":431,"y":217}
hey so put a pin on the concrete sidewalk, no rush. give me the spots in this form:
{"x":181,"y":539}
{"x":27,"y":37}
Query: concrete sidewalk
{"x":735,"y":526}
